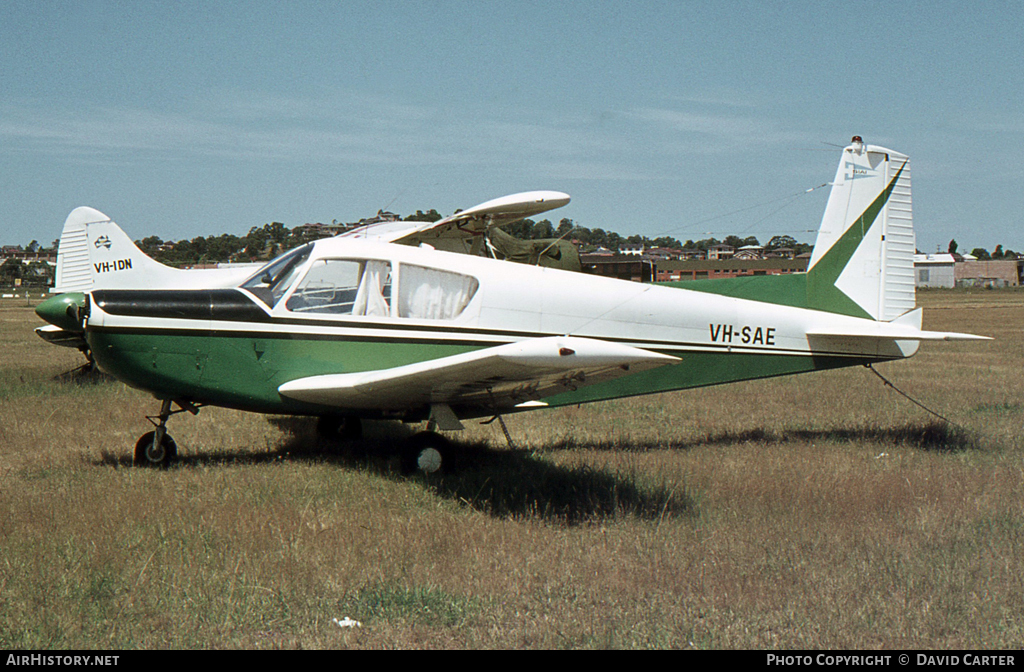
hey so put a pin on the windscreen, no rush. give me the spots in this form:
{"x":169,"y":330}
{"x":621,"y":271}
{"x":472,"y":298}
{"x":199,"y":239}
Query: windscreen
{"x":272,"y":281}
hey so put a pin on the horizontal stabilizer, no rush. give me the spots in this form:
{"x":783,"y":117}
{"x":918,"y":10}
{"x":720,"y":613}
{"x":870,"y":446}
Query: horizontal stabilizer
{"x":500,"y":377}
{"x":907,"y":327}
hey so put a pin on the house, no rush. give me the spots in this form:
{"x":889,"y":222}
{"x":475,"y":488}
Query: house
{"x":780,"y":253}
{"x":749,"y":252}
{"x":315,"y":231}
{"x":721,"y":251}
{"x":934,"y":270}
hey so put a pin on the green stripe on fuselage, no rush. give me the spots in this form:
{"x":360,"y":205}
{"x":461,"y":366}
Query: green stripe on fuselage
{"x":780,"y":290}
{"x":702,"y":369}
{"x":244,"y":371}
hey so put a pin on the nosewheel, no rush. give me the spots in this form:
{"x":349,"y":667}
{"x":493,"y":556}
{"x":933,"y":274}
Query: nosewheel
{"x":153,"y":452}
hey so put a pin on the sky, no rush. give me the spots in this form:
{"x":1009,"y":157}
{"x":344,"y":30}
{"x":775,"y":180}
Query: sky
{"x":687,"y":119}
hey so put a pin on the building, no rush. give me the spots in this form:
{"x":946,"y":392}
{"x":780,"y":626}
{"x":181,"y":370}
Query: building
{"x":749,"y":252}
{"x":784,"y":252}
{"x":992,"y":273}
{"x":721,"y":251}
{"x":27,"y":256}
{"x":934,"y":270}
{"x":705,"y":269}
{"x":315,"y":231}
{"x":621,"y":266}
{"x":953,"y":270}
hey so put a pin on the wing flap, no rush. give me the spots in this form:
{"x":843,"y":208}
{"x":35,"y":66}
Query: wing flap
{"x":499,"y":377}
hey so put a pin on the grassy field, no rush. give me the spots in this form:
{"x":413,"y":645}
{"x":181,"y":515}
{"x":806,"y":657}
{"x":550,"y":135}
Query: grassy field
{"x":818,"y":511}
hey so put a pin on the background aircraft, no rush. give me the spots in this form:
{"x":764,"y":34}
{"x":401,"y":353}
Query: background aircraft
{"x":358,"y":327}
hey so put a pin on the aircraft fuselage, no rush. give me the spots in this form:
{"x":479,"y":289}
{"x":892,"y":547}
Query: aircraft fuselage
{"x":229,"y":347}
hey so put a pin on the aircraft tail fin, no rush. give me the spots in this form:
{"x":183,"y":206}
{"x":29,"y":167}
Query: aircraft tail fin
{"x":94,"y":253}
{"x":863,"y":259}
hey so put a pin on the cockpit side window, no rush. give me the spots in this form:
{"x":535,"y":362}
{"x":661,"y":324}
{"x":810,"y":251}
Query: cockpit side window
{"x":344,"y":287}
{"x":433,"y":294}
{"x":272,"y":281}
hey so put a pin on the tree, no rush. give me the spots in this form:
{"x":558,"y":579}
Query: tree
{"x":543,"y":229}
{"x":11,"y":270}
{"x":781,"y":241}
{"x":431,"y":215}
{"x":981,"y":253}
{"x":952,"y":246}
{"x":149,"y":245}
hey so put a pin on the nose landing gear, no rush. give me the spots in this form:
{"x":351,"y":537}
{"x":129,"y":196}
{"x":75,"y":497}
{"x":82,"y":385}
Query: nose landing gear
{"x":157,"y":448}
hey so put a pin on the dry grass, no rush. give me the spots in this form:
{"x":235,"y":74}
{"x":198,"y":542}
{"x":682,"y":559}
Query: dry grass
{"x":821,"y":511}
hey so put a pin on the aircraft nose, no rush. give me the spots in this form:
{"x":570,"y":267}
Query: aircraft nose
{"x":64,"y":310}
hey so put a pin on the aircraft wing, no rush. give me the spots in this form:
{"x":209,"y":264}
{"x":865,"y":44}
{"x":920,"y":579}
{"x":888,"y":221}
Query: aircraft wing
{"x":500,"y":377}
{"x":57,"y":336}
{"x":471,"y":223}
{"x":382,"y":231}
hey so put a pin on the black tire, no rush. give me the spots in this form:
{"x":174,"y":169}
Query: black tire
{"x":427,"y":453}
{"x":332,"y":428}
{"x":148,"y":454}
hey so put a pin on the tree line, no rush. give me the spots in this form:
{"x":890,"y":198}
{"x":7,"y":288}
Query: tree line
{"x":267,"y":241}
{"x":983,"y":254}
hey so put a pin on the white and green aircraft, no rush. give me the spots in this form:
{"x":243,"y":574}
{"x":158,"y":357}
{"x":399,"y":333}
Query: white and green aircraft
{"x":358,"y":327}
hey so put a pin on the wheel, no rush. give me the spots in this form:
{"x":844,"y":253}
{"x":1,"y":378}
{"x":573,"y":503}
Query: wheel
{"x":149,"y":454}
{"x":427,"y":453}
{"x":334,"y":428}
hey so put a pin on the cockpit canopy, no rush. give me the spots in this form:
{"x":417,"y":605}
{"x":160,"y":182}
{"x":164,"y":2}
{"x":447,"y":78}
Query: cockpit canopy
{"x":339,"y":285}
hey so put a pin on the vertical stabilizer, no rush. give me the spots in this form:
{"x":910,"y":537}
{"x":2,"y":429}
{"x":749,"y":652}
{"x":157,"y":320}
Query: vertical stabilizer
{"x":863,"y":259}
{"x":94,"y":253}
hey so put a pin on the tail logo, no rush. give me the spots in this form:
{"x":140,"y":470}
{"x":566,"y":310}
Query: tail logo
{"x":102,"y":241}
{"x":854,"y":172}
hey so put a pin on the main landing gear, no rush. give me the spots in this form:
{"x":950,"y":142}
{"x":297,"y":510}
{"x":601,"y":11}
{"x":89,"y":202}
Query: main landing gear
{"x":427,"y":453}
{"x":334,"y":428}
{"x":157,"y":448}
